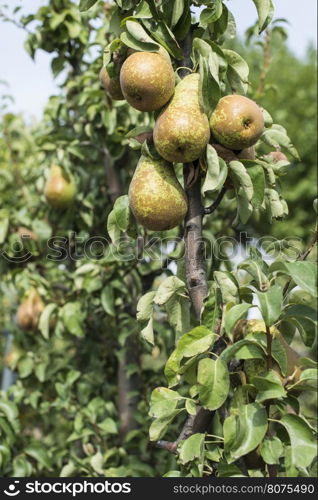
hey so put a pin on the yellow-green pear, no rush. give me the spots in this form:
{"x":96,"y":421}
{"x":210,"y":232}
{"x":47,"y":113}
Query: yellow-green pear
{"x":147,"y":80}
{"x":156,"y":197}
{"x":29,"y":311}
{"x":182,"y":130}
{"x":237,"y":122}
{"x":60,"y":189}
{"x":111,"y":85}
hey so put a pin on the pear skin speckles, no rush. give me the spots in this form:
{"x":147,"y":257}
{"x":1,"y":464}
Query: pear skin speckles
{"x":237,"y":122}
{"x":182,"y":131}
{"x":156,"y":197}
{"x":147,"y":80}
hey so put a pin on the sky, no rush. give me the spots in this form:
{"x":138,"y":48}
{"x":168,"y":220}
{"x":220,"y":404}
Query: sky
{"x":31,"y":82}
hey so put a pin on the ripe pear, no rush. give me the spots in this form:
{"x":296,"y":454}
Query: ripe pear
{"x":29,"y":311}
{"x":182,"y":132}
{"x":147,"y":80}
{"x":156,"y":197}
{"x":111,"y":85}
{"x":60,"y":188}
{"x":237,"y":122}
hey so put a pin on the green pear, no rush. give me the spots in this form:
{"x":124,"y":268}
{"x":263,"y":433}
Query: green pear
{"x":111,"y":85}
{"x":156,"y":197}
{"x":147,"y":80}
{"x":237,"y":122}
{"x":182,"y":132}
{"x":60,"y":188}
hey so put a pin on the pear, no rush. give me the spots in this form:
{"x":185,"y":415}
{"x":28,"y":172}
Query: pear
{"x":156,"y":197}
{"x":60,"y":188}
{"x":29,"y":311}
{"x":111,"y":85}
{"x":147,"y":80}
{"x":276,"y":156}
{"x":182,"y":130}
{"x":237,"y":122}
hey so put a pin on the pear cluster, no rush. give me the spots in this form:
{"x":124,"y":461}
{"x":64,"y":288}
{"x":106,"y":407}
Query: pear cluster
{"x":181,"y":133}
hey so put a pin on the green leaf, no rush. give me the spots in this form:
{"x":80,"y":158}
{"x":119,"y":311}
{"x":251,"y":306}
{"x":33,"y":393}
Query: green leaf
{"x":108,"y":300}
{"x":195,"y":342}
{"x":254,"y":268}
{"x":237,"y":71}
{"x":163,"y":402}
{"x":302,"y":439}
{"x":265,"y":10}
{"x":177,"y":12}
{"x":277,"y":137}
{"x":120,"y":218}
{"x":233,"y":349}
{"x":145,"y":306}
{"x":305,"y":319}
{"x":271,"y":450}
{"x":44,"y":321}
{"x":307,"y":381}
{"x":40,"y":454}
{"x":147,"y":332}
{"x":168,"y":288}
{"x":131,"y":42}
{"x":228,"y":285}
{"x":178,"y":313}
{"x":214,"y":382}
{"x":216,"y":172}
{"x":4,"y":225}
{"x":192,"y":449}
{"x":271,"y":304}
{"x":211,"y":14}
{"x":256,"y":173}
{"x":161,"y":424}
{"x":304,"y":274}
{"x":244,"y":430}
{"x":73,"y":318}
{"x":86,"y":4}
{"x":269,"y":386}
{"x":241,"y":178}
{"x":231,"y":316}
{"x":9,"y":409}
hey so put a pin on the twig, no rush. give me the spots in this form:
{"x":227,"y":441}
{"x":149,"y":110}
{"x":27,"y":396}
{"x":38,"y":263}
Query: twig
{"x":269,"y":340}
{"x":217,"y":201}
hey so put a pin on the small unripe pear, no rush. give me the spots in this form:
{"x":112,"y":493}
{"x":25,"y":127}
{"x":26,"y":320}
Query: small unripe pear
{"x":237,"y":122}
{"x":60,"y":188}
{"x":111,"y":85}
{"x":147,"y":80}
{"x":276,"y":156}
{"x":182,"y":131}
{"x":156,"y":197}
{"x":29,"y":311}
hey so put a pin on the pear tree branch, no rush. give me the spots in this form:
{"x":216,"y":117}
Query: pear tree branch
{"x":195,"y":269}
